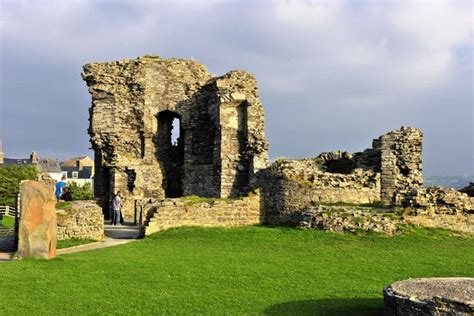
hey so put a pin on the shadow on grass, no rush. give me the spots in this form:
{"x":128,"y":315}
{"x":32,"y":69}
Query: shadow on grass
{"x":354,"y":306}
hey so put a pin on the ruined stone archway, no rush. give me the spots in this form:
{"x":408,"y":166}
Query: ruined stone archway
{"x":170,"y":153}
{"x":222,"y":143}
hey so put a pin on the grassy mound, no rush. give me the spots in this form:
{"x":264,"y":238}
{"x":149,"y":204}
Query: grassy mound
{"x":234,"y":271}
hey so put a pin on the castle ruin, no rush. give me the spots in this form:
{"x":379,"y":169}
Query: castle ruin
{"x":135,"y":104}
{"x":385,"y":173}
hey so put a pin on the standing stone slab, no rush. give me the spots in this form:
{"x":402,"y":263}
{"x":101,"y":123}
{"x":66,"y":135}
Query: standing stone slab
{"x":37,"y":229}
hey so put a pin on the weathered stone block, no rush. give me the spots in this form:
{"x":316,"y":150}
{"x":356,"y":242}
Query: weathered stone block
{"x":37,"y":228}
{"x":430,"y":296}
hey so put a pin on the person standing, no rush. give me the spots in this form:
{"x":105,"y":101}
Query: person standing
{"x":60,"y":185}
{"x":117,"y":207}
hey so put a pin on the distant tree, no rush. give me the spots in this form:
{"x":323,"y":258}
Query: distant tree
{"x":81,"y":192}
{"x":10,"y":178}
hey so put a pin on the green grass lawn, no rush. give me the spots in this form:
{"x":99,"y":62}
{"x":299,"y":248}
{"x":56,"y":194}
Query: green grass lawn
{"x":7,"y":221}
{"x":252,"y":270}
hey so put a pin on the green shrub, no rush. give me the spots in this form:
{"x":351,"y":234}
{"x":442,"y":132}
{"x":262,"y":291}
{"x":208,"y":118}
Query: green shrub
{"x":81,"y":192}
{"x":63,"y":205}
{"x":10,"y":177}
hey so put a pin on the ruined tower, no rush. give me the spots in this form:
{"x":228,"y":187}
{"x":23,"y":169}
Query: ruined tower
{"x":401,"y":163}
{"x":167,"y":128}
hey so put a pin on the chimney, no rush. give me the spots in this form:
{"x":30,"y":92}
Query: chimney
{"x":34,"y":157}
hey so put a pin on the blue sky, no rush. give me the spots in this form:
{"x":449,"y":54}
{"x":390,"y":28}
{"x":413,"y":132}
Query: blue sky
{"x":332,"y":74}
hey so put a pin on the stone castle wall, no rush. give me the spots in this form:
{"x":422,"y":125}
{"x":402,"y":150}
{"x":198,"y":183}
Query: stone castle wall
{"x":385,"y":173}
{"x":289,"y":186}
{"x":84,"y":220}
{"x":179,"y":212}
{"x":221,"y":140}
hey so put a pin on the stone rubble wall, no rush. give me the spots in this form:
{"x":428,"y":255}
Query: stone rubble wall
{"x":84,"y":220}
{"x":438,"y":200}
{"x":342,"y":219}
{"x":288,"y":186}
{"x":388,"y":172}
{"x":171,"y":213}
{"x":387,"y":221}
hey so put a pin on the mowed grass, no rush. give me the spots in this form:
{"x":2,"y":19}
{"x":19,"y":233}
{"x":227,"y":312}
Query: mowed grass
{"x":7,"y":221}
{"x":251,"y":270}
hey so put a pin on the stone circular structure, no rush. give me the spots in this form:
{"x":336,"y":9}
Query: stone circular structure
{"x":430,"y":296}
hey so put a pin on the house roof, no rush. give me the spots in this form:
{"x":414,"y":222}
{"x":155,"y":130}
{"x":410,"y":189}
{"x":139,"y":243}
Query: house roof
{"x":71,"y":162}
{"x":16,"y":161}
{"x":49,"y":165}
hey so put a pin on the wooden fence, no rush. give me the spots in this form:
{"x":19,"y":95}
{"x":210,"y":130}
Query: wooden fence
{"x":7,"y":210}
{"x":7,"y":234}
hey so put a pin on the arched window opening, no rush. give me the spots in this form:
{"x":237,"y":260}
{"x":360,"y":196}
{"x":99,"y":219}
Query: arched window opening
{"x":169,"y":141}
{"x":175,"y":131}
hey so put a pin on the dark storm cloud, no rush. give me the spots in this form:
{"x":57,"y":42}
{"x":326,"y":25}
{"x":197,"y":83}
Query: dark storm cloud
{"x":332,"y":75}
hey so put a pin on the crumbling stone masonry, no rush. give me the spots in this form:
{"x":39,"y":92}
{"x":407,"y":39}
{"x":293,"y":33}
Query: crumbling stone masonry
{"x":401,"y":163}
{"x":139,"y":105}
{"x":83,"y":220}
{"x":163,"y":129}
{"x":170,"y":213}
{"x":385,"y":173}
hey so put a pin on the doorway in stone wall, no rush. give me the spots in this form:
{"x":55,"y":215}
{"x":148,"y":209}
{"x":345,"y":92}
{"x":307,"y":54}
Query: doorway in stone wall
{"x":169,"y":142}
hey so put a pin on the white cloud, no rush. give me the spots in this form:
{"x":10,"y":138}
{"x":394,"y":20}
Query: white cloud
{"x":304,"y":14}
{"x":344,"y":60}
{"x":411,"y":44}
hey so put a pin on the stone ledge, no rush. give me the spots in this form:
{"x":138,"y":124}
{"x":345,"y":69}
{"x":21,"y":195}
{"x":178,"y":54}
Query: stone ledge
{"x":430,"y":296}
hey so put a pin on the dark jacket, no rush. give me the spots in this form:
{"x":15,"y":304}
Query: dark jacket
{"x":67,"y":196}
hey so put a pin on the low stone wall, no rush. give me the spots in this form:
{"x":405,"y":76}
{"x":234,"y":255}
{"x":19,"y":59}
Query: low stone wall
{"x":84,"y":220}
{"x":289,"y":186}
{"x":342,"y":219}
{"x":179,"y":212}
{"x":438,"y":200}
{"x":380,"y":220}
